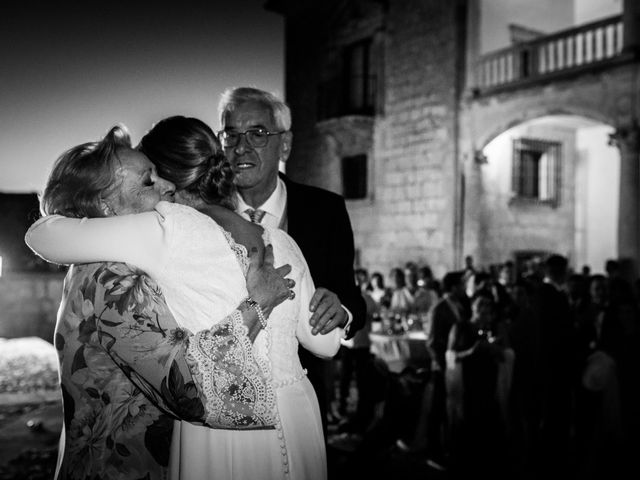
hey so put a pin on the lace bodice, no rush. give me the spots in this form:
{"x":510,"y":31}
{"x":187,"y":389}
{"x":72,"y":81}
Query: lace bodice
{"x":278,"y":344}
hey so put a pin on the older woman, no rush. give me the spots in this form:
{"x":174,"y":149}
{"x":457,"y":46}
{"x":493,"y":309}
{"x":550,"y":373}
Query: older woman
{"x":200,"y":265}
{"x":126,"y":366}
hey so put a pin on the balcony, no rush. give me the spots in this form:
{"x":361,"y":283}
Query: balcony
{"x":569,"y":51}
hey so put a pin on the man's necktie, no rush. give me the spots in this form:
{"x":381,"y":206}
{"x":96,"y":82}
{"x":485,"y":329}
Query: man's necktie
{"x":255,"y":215}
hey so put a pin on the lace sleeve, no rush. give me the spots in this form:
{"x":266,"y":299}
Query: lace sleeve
{"x":236,"y":391}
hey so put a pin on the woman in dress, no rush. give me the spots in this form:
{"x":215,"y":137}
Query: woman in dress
{"x":473,"y":357}
{"x":199,"y":261}
{"x":126,"y":367}
{"x":401,"y":298}
{"x":378,"y":291}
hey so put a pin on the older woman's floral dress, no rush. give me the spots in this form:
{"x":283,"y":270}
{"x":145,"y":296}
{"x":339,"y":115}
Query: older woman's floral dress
{"x":127,"y":371}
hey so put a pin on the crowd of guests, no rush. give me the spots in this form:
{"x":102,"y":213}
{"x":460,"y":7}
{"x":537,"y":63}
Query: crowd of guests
{"x":531,"y":371}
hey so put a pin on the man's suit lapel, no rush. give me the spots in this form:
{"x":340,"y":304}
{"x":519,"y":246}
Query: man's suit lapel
{"x":294,"y":208}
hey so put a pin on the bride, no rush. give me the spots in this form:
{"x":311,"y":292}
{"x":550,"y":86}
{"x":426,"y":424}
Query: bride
{"x":200,"y":260}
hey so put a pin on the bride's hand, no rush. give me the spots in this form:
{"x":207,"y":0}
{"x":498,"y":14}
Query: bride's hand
{"x":266,"y":284}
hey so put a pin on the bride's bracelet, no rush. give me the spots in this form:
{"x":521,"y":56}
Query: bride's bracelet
{"x":256,"y":306}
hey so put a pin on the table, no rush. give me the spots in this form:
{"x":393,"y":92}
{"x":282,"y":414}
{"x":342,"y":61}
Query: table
{"x":399,"y":351}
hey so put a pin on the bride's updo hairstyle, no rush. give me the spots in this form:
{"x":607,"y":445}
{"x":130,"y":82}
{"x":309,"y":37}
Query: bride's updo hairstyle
{"x":186,"y":152}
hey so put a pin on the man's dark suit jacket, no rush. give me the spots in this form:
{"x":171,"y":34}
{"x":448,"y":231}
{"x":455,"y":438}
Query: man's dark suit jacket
{"x":319,"y":223}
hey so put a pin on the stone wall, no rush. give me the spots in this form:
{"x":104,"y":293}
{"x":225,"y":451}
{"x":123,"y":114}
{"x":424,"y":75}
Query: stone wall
{"x":507,"y":224}
{"x":426,"y":200}
{"x":29,"y":304}
{"x":409,"y":213}
{"x":493,"y":233}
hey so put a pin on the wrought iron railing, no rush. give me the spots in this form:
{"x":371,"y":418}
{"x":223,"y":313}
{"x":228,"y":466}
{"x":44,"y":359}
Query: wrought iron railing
{"x":573,"y":49}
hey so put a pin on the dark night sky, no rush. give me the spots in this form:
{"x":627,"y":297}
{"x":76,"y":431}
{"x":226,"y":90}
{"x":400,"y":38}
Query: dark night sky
{"x":71,"y":70}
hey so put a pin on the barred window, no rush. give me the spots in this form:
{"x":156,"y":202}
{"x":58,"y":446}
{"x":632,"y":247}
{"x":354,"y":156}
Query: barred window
{"x":536,"y":170}
{"x":352,"y":88}
{"x":358,"y":79}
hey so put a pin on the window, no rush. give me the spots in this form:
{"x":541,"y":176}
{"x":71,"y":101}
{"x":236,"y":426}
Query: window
{"x":354,"y":177}
{"x":536,"y":170}
{"x":352,"y":88}
{"x":358,"y":79}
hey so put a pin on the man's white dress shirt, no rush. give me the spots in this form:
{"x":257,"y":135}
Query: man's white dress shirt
{"x":275,"y":208}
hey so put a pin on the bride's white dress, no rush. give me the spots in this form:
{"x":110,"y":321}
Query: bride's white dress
{"x":202,"y":274}
{"x":295,"y":448}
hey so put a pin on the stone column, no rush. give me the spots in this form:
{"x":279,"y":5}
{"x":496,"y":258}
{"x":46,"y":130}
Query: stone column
{"x":627,"y":139}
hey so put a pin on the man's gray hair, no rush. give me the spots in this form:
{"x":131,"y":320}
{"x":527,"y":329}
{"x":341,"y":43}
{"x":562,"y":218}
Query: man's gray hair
{"x":233,"y":97}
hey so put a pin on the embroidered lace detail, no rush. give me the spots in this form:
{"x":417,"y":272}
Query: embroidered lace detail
{"x":275,"y":345}
{"x":238,"y":393}
{"x":290,"y":381}
{"x":239,"y":250}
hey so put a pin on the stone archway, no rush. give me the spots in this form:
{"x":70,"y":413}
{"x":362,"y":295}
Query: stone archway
{"x":546,"y":183}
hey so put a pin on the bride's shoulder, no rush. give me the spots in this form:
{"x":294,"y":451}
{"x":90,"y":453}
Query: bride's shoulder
{"x":180,"y":212}
{"x":167,"y":209}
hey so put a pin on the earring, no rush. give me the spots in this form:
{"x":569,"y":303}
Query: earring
{"x":107,"y":210}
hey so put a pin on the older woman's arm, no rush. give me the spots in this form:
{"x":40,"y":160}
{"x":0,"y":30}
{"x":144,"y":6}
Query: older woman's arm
{"x":210,"y":377}
{"x":138,"y":239}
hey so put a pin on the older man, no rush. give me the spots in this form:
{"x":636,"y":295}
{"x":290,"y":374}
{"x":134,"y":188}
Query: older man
{"x":256,"y":137}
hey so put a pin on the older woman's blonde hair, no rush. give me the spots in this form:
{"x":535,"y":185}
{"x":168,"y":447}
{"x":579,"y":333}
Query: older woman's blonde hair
{"x":84,"y":177}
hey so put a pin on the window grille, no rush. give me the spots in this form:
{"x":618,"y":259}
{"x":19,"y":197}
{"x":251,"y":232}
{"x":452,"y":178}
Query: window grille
{"x":359,"y":83}
{"x":352,"y":90}
{"x":536,"y":170}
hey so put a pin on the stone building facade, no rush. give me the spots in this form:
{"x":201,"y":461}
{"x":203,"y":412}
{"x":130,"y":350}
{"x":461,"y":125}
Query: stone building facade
{"x":397,"y":93}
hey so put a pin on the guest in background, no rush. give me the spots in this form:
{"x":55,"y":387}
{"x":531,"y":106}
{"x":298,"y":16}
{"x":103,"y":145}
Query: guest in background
{"x":576,"y":292}
{"x":380,"y":294}
{"x":469,"y":268}
{"x":507,"y":274}
{"x":401,"y":298}
{"x":411,"y":277}
{"x":446,"y":313}
{"x":600,"y":338}
{"x":425,"y":296}
{"x":556,"y":366}
{"x":476,"y":424}
{"x":526,"y":389}
{"x":357,"y":363}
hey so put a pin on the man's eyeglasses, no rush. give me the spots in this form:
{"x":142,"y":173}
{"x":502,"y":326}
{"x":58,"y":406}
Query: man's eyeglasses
{"x":256,"y":137}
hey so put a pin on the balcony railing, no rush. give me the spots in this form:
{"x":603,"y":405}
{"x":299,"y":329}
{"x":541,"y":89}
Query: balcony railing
{"x":574,"y":49}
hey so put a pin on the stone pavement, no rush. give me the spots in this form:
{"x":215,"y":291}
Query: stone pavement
{"x":30,"y":409}
{"x":29,"y":435}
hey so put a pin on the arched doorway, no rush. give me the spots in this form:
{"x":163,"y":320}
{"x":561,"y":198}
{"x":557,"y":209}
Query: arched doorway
{"x":550,"y":184}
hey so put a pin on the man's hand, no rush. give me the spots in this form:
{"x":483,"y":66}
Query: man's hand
{"x":327,"y":312}
{"x":267,"y":284}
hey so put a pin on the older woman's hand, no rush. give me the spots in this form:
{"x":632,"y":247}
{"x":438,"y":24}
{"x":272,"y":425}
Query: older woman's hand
{"x":266,"y":284}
